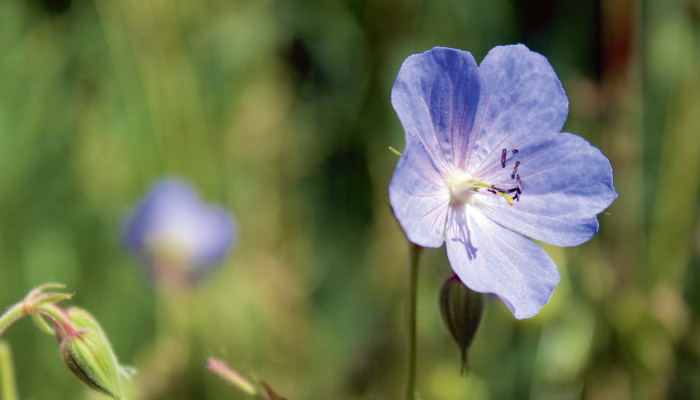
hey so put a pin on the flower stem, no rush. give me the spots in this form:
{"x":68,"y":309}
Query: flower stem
{"x":8,"y":389}
{"x":414,"y":258}
{"x":56,"y":314}
{"x":31,"y":303}
{"x":10,"y":316}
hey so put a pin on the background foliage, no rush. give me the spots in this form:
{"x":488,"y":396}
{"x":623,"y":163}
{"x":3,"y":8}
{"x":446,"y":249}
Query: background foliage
{"x":279,"y":110}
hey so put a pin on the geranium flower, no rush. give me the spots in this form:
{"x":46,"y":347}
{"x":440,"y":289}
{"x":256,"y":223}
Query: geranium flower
{"x":177,"y":234}
{"x":486,"y":165}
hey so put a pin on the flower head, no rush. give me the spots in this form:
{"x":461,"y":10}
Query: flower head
{"x":174,"y":232}
{"x":486,"y":165}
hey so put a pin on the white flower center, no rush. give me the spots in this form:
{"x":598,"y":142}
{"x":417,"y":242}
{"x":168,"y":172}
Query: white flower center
{"x":462,"y":186}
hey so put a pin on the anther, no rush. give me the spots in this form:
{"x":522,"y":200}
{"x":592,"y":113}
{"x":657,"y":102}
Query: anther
{"x":496,"y":188}
{"x":520,"y":184}
{"x":516,"y":198}
{"x":503,"y":192}
{"x":515,"y":151}
{"x":503,"y":158}
{"x":512,"y":176}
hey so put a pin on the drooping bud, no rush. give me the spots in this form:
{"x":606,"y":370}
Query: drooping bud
{"x":462,"y":310}
{"x":87,"y":353}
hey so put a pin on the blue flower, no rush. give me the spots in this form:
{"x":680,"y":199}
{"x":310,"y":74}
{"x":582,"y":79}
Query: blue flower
{"x":177,"y":234}
{"x":486,"y":165}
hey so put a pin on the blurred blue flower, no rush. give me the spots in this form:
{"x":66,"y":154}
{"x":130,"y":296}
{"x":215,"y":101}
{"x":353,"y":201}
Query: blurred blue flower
{"x":177,"y":234}
{"x":486,"y":165}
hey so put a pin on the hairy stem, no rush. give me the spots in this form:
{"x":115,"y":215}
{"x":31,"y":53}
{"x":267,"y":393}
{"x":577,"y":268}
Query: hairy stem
{"x":11,"y":316}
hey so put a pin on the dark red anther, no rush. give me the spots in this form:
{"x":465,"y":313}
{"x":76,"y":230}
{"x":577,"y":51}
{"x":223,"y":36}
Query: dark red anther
{"x":515,"y":170}
{"x":503,"y":158}
{"x":520,"y":184}
{"x":515,"y":151}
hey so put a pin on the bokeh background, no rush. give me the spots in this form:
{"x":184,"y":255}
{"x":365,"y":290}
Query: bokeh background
{"x":280,"y":111}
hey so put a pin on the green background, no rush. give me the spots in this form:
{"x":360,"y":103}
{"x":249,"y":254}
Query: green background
{"x":280,"y":111}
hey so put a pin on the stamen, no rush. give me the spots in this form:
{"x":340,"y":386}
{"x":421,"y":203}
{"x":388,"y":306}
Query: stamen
{"x":503,"y":158}
{"x":512,"y":176}
{"x":520,"y":184}
{"x":495,"y":190}
{"x":516,"y":198}
{"x":503,"y":192}
{"x":515,"y":151}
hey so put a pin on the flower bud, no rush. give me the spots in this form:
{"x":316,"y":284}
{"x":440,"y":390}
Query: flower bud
{"x":462,"y":309}
{"x":88,"y":354}
{"x":228,"y":374}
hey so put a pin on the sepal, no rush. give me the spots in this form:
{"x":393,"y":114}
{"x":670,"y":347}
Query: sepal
{"x":87,"y":353}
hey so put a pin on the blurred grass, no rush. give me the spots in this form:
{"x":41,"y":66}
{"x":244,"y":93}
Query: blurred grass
{"x":279,"y":110}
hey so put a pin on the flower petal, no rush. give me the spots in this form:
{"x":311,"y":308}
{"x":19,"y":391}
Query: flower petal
{"x":435,"y":96}
{"x":566,"y":182}
{"x":212,"y":234}
{"x":521,"y":96}
{"x":419,"y":197}
{"x":489,"y":258}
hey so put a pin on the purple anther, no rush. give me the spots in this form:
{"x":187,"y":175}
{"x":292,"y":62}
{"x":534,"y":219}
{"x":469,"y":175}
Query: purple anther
{"x":515,"y":151}
{"x":496,"y":188}
{"x":515,"y":170}
{"x":503,"y":158}
{"x":516,"y":198}
{"x":520,"y":184}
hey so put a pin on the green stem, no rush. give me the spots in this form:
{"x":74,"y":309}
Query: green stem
{"x":415,"y":251}
{"x":34,"y":300}
{"x":56,"y":313}
{"x":8,"y":389}
{"x":10,"y":316}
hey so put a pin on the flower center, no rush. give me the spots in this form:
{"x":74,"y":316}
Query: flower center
{"x":462,"y":186}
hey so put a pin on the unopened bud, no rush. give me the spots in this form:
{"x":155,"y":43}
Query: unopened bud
{"x":462,"y":309}
{"x":88,"y":354}
{"x":228,"y":374}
